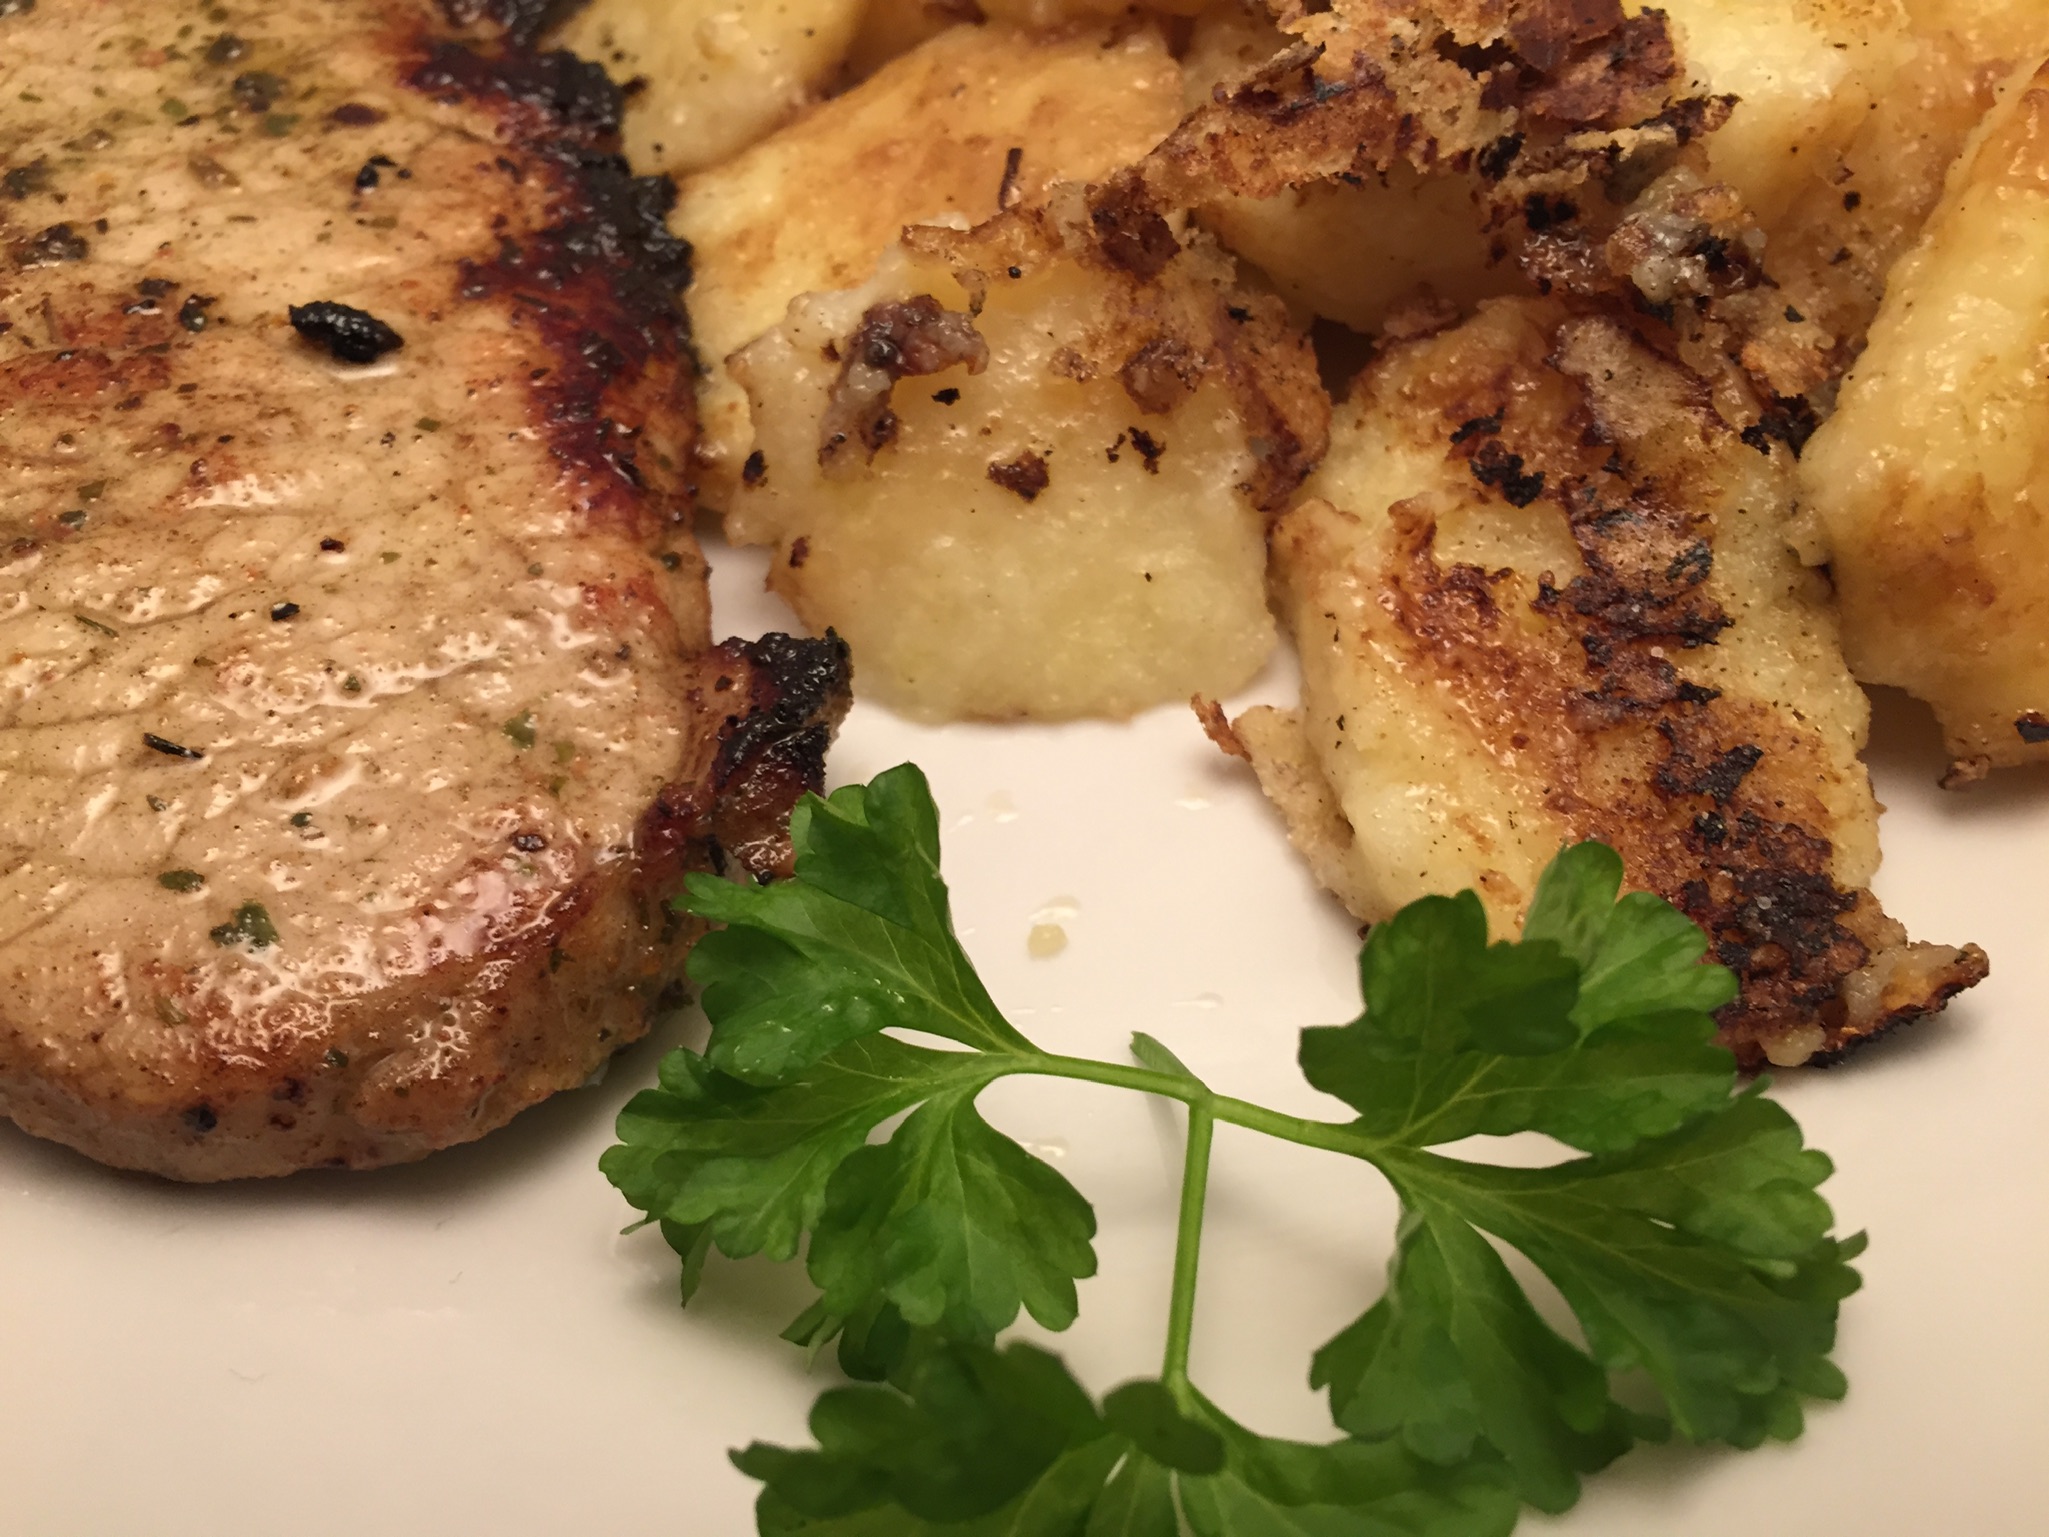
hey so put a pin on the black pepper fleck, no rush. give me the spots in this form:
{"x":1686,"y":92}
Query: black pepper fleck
{"x":257,"y":91}
{"x":349,"y":335}
{"x":46,"y":248}
{"x":170,"y":749}
{"x":280,"y":612}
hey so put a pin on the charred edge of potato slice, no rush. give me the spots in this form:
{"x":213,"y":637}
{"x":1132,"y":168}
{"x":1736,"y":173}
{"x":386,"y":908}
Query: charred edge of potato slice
{"x":1065,"y":517}
{"x":1559,"y":609}
{"x":1572,"y":129}
{"x":1924,"y":491}
{"x":1580,"y":147}
{"x":1459,"y":84}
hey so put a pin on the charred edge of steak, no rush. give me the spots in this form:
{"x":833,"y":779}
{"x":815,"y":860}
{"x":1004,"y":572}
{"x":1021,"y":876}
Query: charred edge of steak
{"x":798,"y":684}
{"x":784,"y":698}
{"x":603,"y":284}
{"x":523,"y":20}
{"x":799,"y":692}
{"x":571,"y":94}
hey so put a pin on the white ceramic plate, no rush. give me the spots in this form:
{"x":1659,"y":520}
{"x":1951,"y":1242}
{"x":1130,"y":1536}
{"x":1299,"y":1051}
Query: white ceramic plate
{"x":468,"y":1346}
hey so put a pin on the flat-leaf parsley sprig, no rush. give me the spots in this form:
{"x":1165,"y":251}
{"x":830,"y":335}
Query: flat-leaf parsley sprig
{"x":1688,"y":1237}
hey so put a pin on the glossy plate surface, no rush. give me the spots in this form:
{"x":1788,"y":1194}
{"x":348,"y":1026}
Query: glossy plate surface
{"x":468,"y":1345}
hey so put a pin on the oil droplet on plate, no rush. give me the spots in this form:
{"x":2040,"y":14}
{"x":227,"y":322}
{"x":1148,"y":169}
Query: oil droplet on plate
{"x":1045,"y":941}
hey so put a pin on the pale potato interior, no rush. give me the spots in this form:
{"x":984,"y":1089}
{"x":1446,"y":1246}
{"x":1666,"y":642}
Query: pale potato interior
{"x":1119,"y":586}
{"x":716,"y":74}
{"x":1928,"y":491}
{"x":812,"y":207}
{"x":2005,"y":33}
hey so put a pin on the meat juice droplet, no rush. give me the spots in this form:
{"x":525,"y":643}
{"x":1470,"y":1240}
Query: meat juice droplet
{"x":1045,"y":941}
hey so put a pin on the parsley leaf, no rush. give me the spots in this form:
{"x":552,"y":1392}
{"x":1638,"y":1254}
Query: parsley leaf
{"x":1627,"y":1043}
{"x":1691,"y":1245}
{"x":764,"y":1138}
{"x":1687,"y":1238}
{"x":956,"y":1225}
{"x":950,"y":1221}
{"x":861,"y":941}
{"x":974,"y":1441}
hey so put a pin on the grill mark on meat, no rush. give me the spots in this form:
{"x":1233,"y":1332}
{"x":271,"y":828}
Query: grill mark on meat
{"x":602,"y":284}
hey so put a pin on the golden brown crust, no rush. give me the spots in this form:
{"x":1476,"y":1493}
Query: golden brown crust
{"x":1925,"y":489}
{"x":1591,"y":698}
{"x":1162,"y":340}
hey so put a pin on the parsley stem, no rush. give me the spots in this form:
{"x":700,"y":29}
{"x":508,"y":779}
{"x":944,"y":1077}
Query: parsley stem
{"x":1202,"y":1129}
{"x":1331,"y":1136}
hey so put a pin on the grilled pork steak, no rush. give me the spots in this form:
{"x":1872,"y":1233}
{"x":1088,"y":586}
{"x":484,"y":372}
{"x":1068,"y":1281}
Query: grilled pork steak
{"x":357,"y":711}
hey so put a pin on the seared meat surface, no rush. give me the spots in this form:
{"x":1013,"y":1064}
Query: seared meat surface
{"x":357,"y":711}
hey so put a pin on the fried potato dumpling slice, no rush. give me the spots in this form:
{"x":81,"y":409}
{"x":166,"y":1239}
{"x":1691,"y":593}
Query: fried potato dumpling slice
{"x":1389,"y":173}
{"x":1928,"y":490}
{"x":713,"y":75}
{"x":1541,"y":595}
{"x":1805,"y":74}
{"x":812,"y":207}
{"x":1349,"y":251}
{"x":891,"y":28}
{"x":2001,"y":34}
{"x":1022,"y":471}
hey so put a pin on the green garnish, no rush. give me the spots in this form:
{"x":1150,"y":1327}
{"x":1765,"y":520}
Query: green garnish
{"x":521,"y":729}
{"x":181,"y":880}
{"x":1687,"y":1236}
{"x":251,"y":925}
